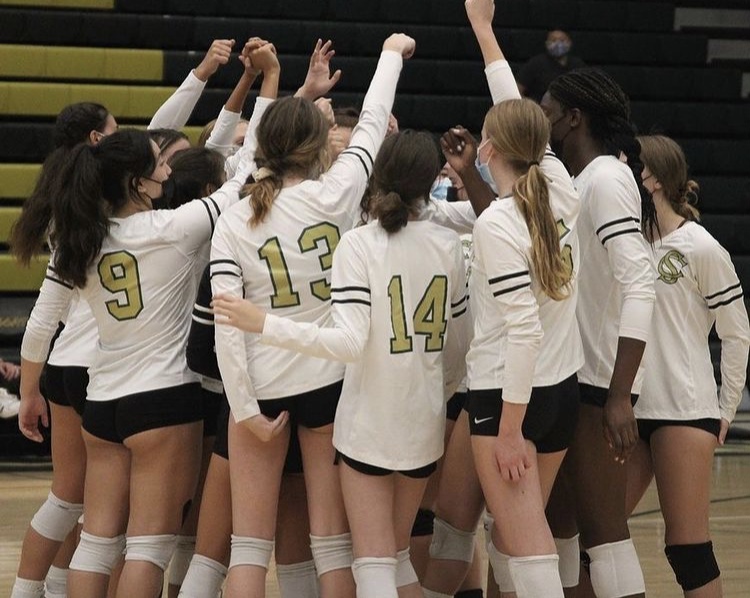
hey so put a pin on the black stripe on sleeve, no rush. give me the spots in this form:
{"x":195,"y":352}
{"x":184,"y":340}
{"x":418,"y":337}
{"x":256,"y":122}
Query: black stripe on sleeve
{"x":618,"y":221}
{"x":459,"y":313}
{"x":213,"y":201}
{"x":734,"y":286}
{"x":507,"y":277}
{"x":344,"y":289}
{"x":367,"y":170}
{"x":364,"y":149}
{"x":459,"y":302}
{"x":210,"y":215}
{"x":621,"y":232}
{"x":511,"y":289}
{"x":726,"y":302}
{"x":227,"y":272}
{"x":361,"y":301}
{"x":213,"y":262}
{"x":58,"y":281}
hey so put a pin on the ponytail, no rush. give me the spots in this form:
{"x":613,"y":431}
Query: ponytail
{"x":688,"y":196}
{"x":262,"y":191}
{"x":532,"y":195}
{"x":76,"y":194}
{"x":391,"y":211}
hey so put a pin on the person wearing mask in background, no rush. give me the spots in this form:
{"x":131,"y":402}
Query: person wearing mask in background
{"x":536,"y":75}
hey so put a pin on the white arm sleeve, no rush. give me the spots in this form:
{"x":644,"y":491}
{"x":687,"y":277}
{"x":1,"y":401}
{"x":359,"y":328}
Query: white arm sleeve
{"x":347,"y":178}
{"x":50,"y":308}
{"x":350,"y":306}
{"x":250,"y":143}
{"x":617,"y":222}
{"x":175,"y":112}
{"x":722,"y":291}
{"x":231,"y":352}
{"x":222,"y":134}
{"x":458,"y":216}
{"x":459,"y":329}
{"x":517,"y":313}
{"x":501,"y":82}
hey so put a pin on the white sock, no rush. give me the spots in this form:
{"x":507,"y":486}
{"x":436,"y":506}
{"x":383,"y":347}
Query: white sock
{"x":27,"y":588}
{"x":203,"y":579}
{"x":298,"y":580}
{"x":56,"y":583}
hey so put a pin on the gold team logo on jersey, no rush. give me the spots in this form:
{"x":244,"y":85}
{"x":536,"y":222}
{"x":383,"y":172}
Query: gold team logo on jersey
{"x":670,"y":267}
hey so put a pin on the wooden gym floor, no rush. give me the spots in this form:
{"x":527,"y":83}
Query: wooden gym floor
{"x":24,"y":487}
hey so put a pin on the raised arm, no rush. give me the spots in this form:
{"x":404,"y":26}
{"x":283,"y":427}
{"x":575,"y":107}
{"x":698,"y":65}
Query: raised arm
{"x":319,"y":80}
{"x":175,"y":112}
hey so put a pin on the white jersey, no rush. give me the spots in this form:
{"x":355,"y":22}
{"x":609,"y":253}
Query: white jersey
{"x":522,"y":338}
{"x":283,"y":264}
{"x":616,"y":290}
{"x":394,"y":298}
{"x":76,"y":345}
{"x":696,"y":288}
{"x":176,"y":110}
{"x":141,"y":290}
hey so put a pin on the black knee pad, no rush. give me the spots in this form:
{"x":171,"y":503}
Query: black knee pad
{"x":694,"y":565}
{"x":423,"y":523}
{"x":470,"y":594}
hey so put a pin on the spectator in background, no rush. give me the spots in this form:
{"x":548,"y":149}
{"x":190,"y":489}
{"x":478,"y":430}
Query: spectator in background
{"x":536,"y":75}
{"x":9,"y":377}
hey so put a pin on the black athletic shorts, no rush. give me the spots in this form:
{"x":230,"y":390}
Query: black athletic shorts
{"x":121,"y":418}
{"x":211,"y":405}
{"x":646,"y":427}
{"x":311,"y":409}
{"x":551,"y":415}
{"x":419,"y":473}
{"x":455,"y":404}
{"x":221,"y":443}
{"x":66,"y":386}
{"x":596,"y":396}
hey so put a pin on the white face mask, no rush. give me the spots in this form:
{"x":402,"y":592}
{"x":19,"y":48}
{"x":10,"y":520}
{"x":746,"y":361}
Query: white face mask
{"x":558,"y":49}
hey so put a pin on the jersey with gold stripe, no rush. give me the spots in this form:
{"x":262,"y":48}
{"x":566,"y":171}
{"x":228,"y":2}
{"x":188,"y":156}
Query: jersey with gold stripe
{"x":697,"y":288}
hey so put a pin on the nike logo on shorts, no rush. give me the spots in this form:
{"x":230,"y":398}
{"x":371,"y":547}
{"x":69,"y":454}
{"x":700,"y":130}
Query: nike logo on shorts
{"x":481,"y":421}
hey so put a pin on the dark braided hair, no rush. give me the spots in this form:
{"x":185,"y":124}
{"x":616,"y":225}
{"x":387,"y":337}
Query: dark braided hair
{"x":607,"y":107}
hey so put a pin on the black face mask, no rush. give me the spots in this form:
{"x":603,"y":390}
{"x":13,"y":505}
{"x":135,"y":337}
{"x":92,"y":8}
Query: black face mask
{"x":163,"y":202}
{"x":557,"y":145}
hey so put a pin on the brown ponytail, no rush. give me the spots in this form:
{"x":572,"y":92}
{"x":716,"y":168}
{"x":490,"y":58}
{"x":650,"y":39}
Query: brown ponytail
{"x":666,"y":161}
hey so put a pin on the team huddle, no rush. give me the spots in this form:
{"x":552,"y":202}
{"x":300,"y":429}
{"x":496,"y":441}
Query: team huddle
{"x":281,"y":344}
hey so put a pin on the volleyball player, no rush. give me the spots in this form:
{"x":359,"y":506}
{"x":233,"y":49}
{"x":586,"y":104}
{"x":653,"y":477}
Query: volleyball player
{"x":391,"y":323}
{"x":65,"y":383}
{"x":590,"y":119}
{"x":142,"y":421}
{"x":680,"y":420}
{"x":276,"y":248}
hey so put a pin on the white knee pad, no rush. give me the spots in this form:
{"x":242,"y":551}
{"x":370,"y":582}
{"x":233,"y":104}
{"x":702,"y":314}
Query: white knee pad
{"x":55,"y":585}
{"x":375,"y":577}
{"x":298,"y":580}
{"x":450,"y":543}
{"x":56,"y":518}
{"x":487,"y":523}
{"x":152,"y":549}
{"x":536,"y":576}
{"x":405,"y":574}
{"x":204,"y":578}
{"x":433,"y":594}
{"x":615,"y":570}
{"x":250,"y":551}
{"x":569,"y":552}
{"x":183,"y":553}
{"x":95,"y":554}
{"x":500,"y":569}
{"x":331,"y":552}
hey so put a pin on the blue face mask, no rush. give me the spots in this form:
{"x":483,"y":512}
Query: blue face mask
{"x":484,"y":170}
{"x":440,"y":188}
{"x":558,"y":49}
